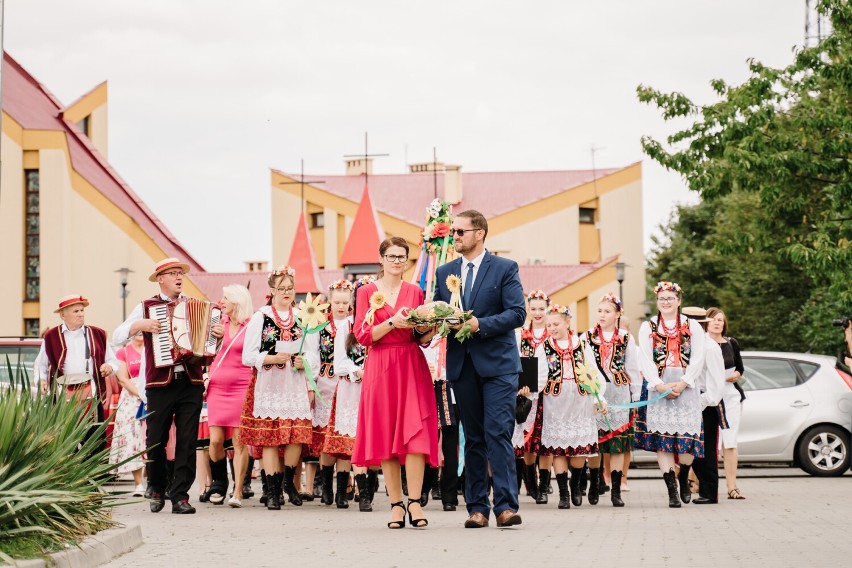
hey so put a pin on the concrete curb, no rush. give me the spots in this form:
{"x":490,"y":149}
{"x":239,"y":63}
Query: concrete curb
{"x":94,"y":551}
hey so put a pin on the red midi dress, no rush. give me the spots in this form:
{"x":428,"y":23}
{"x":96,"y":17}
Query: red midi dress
{"x":397,"y":414}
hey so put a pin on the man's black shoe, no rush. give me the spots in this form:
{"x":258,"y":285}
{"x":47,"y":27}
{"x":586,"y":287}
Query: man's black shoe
{"x":157,"y":502}
{"x":449,"y":507}
{"x":183,"y":508}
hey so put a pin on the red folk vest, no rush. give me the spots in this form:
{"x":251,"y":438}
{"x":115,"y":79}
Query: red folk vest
{"x":56,"y":350}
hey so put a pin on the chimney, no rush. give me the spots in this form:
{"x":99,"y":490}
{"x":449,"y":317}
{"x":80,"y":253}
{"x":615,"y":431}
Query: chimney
{"x":255,"y":265}
{"x":453,"y":184}
{"x":359,"y":166}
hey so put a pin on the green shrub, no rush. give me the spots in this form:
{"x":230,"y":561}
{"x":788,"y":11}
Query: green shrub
{"x":52,"y":476}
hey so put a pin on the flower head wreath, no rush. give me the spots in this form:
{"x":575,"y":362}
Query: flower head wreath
{"x":614,"y":300}
{"x":666,"y":286}
{"x":341,"y":284}
{"x":538,"y":295}
{"x":284,"y":270}
{"x":363,"y":281}
{"x":559,"y":309}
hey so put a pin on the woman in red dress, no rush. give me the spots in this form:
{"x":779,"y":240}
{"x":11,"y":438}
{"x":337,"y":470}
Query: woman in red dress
{"x":397,"y":417}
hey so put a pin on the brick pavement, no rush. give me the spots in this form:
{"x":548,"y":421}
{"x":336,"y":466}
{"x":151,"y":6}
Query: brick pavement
{"x":787,"y":520}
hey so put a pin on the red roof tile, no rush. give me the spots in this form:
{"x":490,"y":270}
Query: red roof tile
{"x":302,"y":258}
{"x":32,"y":106}
{"x":365,"y":236}
{"x":406,"y":196}
{"x":553,"y":277}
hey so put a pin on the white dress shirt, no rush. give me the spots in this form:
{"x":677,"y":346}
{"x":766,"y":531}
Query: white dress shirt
{"x":477,"y":262}
{"x":76,"y":361}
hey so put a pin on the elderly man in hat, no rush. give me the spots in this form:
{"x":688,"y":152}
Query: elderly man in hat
{"x":76,"y":358}
{"x":711,"y":384}
{"x":174,"y":393}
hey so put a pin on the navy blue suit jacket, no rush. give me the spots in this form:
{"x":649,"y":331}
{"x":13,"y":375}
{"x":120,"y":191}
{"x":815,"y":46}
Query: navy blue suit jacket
{"x":498,"y":304}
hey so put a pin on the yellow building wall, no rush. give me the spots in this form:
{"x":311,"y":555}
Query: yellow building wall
{"x":99,"y":130}
{"x":552,"y":238}
{"x":12,"y":231}
{"x":620,"y":218}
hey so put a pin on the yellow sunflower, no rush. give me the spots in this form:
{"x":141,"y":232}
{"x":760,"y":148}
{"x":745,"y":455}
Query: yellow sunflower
{"x":311,"y":312}
{"x":453,"y":283}
{"x":377,"y":300}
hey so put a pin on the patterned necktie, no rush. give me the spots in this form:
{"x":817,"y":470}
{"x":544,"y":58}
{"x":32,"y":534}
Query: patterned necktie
{"x":468,"y":287}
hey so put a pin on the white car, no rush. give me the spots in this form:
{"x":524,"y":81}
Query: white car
{"x":798,"y":410}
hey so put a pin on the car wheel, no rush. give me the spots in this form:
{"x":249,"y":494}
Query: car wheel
{"x":824,"y":451}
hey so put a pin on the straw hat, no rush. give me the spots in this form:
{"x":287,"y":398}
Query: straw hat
{"x":167,"y":264}
{"x":695,"y":313}
{"x":66,"y":301}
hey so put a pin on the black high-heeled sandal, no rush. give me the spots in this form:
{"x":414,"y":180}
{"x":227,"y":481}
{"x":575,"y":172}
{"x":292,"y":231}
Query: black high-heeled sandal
{"x":397,"y":524}
{"x":420,"y":523}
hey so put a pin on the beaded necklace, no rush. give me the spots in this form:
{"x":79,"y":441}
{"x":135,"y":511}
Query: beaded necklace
{"x":566,"y":354}
{"x":283,"y":325}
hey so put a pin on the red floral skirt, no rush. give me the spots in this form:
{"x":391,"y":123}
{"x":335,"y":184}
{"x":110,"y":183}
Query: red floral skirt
{"x":334,"y":443}
{"x":268,"y":432}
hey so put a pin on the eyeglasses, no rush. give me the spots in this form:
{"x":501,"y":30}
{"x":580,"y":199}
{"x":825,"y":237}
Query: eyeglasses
{"x":396,"y":258}
{"x":461,"y":232}
{"x":666,"y":300}
{"x":173,"y":273}
{"x":285,"y":289}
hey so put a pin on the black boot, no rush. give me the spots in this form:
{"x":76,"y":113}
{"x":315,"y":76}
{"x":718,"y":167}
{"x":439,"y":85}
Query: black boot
{"x":531,"y":480}
{"x":564,"y":497}
{"x":602,"y":486}
{"x":273,"y":486}
{"x":327,"y":476}
{"x":520,"y":472}
{"x":584,"y":479}
{"x":364,"y":503}
{"x":342,"y":485}
{"x":436,"y":485}
{"x":543,"y":484}
{"x":264,"y":487}
{"x":576,"y":485}
{"x":683,"y":481}
{"x":319,"y":485}
{"x":671,"y":485}
{"x":428,"y":480}
{"x":290,"y":488}
{"x":219,"y":485}
{"x":594,"y":486}
{"x":170,"y":475}
{"x":372,"y":484}
{"x":615,"y":496}
{"x":248,"y":493}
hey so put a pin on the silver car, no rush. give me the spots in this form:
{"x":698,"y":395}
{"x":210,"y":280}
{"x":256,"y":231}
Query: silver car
{"x":798,"y":410}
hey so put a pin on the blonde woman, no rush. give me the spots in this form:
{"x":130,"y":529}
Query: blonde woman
{"x":226,"y":391}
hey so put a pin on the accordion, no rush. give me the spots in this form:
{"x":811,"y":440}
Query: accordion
{"x":185,"y":334}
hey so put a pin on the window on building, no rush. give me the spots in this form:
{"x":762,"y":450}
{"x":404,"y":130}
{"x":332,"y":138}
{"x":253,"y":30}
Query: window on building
{"x":317,"y":220}
{"x":587,"y":215}
{"x":31,"y":327}
{"x":32,"y":262}
{"x":83,"y":125}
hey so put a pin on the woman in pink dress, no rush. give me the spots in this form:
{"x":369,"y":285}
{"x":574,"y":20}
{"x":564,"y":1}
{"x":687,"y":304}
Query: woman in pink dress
{"x":397,"y":417}
{"x":226,"y":391}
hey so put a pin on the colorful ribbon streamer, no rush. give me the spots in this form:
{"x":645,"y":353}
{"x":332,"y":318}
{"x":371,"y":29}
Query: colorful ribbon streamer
{"x":641,"y":403}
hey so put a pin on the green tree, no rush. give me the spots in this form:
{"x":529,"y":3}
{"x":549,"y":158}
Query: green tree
{"x":784,"y":139}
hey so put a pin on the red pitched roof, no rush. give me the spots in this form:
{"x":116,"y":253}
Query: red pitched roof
{"x":406,"y":196}
{"x":32,"y":106}
{"x":302,"y":258}
{"x":365,"y":236}
{"x":553,"y":277}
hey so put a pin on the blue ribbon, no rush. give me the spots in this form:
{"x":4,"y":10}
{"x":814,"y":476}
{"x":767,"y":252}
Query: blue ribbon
{"x":641,"y":403}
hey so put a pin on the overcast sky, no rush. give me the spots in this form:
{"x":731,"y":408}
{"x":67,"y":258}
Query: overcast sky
{"x":206,"y":96}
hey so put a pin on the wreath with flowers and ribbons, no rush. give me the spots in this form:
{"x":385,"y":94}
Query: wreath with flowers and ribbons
{"x":436,"y":245}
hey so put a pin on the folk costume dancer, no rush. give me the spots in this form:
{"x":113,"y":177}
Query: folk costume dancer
{"x":277,"y":409}
{"x":76,"y":359}
{"x":174,"y":393}
{"x":343,"y":359}
{"x":565,"y":430}
{"x":672,"y":358}
{"x":531,"y":340}
{"x":616,"y":358}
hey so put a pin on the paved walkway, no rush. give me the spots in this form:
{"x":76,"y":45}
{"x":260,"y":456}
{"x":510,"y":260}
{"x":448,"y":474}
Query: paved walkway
{"x":786,"y":520}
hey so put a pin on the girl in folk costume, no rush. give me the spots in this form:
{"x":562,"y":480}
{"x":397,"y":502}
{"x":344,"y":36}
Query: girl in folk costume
{"x":672,"y":357}
{"x":531,"y":344}
{"x":613,"y":351}
{"x":342,"y":358}
{"x":565,"y":427}
{"x":277,"y":408}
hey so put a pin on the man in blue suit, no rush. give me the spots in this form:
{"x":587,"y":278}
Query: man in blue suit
{"x":484,"y":369}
